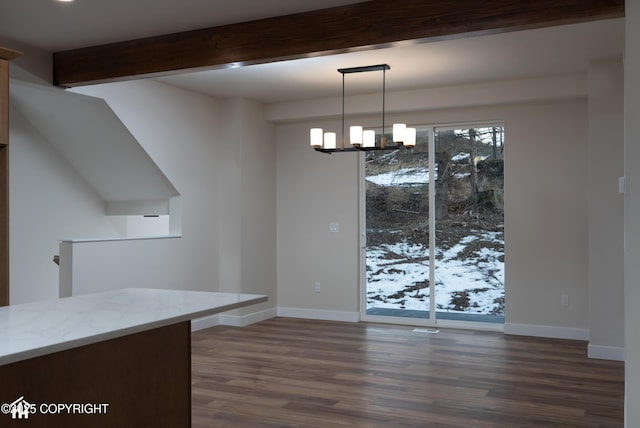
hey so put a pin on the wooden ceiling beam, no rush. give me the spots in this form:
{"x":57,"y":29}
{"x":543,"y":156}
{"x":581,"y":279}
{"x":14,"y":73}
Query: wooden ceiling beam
{"x":366,"y":25}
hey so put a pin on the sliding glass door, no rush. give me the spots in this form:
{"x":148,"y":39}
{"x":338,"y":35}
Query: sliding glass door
{"x":434,"y":222}
{"x":397,"y":265}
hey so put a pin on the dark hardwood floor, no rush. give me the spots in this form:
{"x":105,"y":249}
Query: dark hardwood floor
{"x":288,"y":372}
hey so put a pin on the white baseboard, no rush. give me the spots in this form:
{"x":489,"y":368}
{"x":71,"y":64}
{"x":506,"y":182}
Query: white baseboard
{"x":232,"y":320}
{"x":245,"y":320}
{"x":614,"y":353}
{"x":319,"y":314}
{"x":549,"y":331}
{"x":205,"y":322}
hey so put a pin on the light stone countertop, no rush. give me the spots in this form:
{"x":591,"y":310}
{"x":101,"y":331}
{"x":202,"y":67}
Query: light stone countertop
{"x":34,"y":329}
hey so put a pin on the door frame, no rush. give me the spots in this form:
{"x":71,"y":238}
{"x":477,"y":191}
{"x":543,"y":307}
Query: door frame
{"x":432,"y":321}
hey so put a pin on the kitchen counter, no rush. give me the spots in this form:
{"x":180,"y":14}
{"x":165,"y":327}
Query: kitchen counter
{"x":34,"y":329}
{"x":126,"y":353}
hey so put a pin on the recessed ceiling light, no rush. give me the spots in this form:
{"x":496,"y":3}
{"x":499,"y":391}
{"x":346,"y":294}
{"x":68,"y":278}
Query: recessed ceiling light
{"x":64,"y":1}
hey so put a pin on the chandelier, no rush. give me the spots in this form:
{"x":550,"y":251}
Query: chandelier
{"x":361,"y":139}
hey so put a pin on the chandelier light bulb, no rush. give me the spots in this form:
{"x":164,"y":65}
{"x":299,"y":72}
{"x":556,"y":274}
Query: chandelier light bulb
{"x":355,"y":135}
{"x":398,"y":132}
{"x":369,"y":138}
{"x":316,"y":135}
{"x":410,"y":137}
{"x":329,"y":140}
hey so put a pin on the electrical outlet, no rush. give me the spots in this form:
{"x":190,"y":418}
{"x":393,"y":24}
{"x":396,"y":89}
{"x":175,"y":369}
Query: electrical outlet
{"x":334,"y":227}
{"x":316,"y":287}
{"x":564,"y":300}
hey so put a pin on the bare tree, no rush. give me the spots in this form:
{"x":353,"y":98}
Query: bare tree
{"x":494,"y":142}
{"x":443,"y":159}
{"x":443,"y":162}
{"x":473,"y":159}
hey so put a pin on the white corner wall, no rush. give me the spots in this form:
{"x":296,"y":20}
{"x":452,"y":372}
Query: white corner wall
{"x":606,"y":209}
{"x":632,"y":214}
{"x":220,"y":155}
{"x":178,"y":130}
{"x":246,"y":195}
{"x":223,"y":168}
{"x":48,"y":202}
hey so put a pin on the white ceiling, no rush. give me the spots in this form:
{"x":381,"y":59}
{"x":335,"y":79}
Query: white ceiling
{"x":561,"y":50}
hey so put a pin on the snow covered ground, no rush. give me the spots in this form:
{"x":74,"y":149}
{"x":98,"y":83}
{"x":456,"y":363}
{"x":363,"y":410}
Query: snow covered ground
{"x":465,"y":281}
{"x":469,"y":276}
{"x":402,"y":177}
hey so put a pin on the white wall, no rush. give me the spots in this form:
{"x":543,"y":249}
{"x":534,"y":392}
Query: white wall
{"x":100,"y":265}
{"x":246,"y":195}
{"x":313,"y":190}
{"x":258,"y":209}
{"x":220,"y":156}
{"x":48,"y":202}
{"x":632,"y":214}
{"x":221,"y":160}
{"x":606,"y":209}
{"x":177,"y":129}
{"x":546,"y":214}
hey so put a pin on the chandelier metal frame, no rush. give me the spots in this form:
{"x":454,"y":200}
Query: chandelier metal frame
{"x":363,"y":140}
